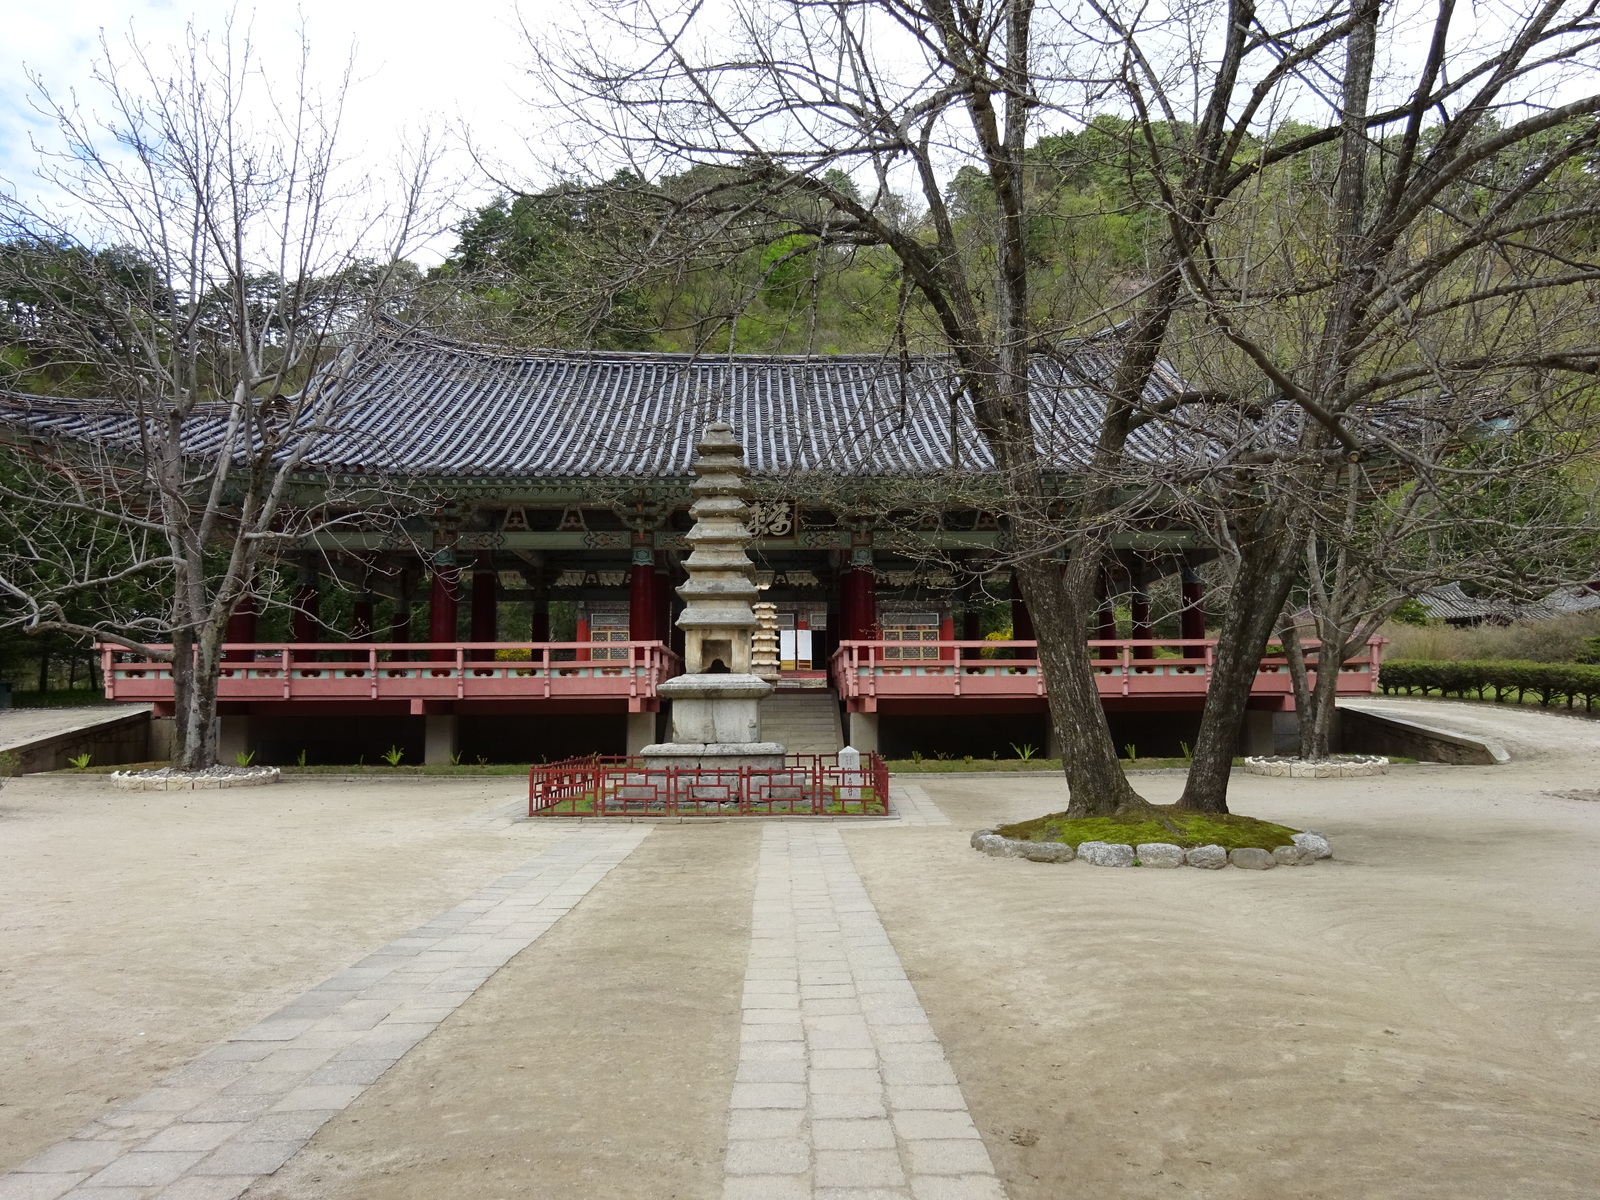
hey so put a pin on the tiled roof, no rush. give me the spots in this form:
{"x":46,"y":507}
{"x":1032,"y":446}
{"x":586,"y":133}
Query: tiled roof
{"x":420,"y":405}
{"x":1449,"y":603}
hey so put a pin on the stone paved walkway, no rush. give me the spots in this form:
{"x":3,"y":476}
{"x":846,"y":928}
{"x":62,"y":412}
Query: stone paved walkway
{"x":243,"y":1109}
{"x":915,"y":807}
{"x":843,"y":1090}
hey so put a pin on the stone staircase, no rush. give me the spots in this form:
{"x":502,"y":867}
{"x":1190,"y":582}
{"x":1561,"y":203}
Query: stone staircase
{"x":805,"y":722}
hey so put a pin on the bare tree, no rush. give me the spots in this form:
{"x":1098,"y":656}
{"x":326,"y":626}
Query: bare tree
{"x":1435,"y":264}
{"x":211,"y":275}
{"x":773,"y":114}
{"x":1500,"y":497}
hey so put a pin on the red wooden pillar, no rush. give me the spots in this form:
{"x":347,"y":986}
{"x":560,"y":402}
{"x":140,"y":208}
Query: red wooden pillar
{"x":581,"y":636}
{"x":642,"y":595}
{"x":443,"y":597}
{"x":1192,"y":621}
{"x":859,"y":603}
{"x":663,"y":624}
{"x":947,"y":633}
{"x":1142,"y":626}
{"x":241,"y":628}
{"x":485,"y":604}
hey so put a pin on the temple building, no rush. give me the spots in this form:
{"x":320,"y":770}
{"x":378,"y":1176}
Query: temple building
{"x":525,"y":608}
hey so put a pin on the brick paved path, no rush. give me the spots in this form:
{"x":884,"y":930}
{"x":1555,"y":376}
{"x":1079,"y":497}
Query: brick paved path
{"x":245,"y":1108}
{"x":843,"y":1090}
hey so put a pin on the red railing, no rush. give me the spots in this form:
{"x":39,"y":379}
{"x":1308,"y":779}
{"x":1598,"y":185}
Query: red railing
{"x":806,"y":785}
{"x":866,"y":671}
{"x":413,"y":671}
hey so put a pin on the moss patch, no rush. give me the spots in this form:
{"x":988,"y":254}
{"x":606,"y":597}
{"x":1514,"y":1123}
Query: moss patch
{"x":940,"y":766}
{"x":1228,"y":830}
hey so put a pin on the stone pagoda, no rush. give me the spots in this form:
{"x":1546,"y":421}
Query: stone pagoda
{"x":716,"y":702}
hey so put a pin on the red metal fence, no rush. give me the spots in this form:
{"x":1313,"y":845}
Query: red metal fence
{"x":806,"y":785}
{"x":866,"y":671}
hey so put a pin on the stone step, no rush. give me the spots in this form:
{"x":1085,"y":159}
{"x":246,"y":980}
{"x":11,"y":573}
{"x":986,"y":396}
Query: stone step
{"x":806,"y":723}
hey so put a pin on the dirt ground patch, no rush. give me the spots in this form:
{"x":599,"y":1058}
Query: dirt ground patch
{"x":1415,"y":1018}
{"x":597,"y":1063}
{"x":137,"y":929}
{"x":1411,"y":1019}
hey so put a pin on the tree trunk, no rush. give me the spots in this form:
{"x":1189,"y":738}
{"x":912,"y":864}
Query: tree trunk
{"x":182,"y":679}
{"x":1059,"y":603}
{"x":194,"y":678}
{"x":1266,"y":572}
{"x":1295,"y":654}
{"x":1332,"y":652}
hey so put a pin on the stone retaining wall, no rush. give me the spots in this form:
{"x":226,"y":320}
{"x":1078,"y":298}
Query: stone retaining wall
{"x":1307,"y":847}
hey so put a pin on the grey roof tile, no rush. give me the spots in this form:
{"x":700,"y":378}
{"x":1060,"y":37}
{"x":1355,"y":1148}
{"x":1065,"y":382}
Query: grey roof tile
{"x":422,"y":405}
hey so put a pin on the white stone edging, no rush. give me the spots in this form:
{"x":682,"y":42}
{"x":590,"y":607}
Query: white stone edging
{"x":1307,"y":847}
{"x":173,"y":781}
{"x":1353,"y":766}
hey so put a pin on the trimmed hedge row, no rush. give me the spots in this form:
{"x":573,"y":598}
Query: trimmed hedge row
{"x":1545,"y":682}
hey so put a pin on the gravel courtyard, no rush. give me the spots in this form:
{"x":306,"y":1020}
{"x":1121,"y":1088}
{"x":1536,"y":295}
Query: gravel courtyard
{"x":1415,"y":1018}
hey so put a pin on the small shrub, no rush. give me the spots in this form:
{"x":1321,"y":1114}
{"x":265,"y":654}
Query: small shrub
{"x":393,"y":755}
{"x":80,"y":761}
{"x":245,"y":757}
{"x":301,"y":761}
{"x":1026,"y":751}
{"x":1547,"y":683}
{"x":1132,"y":752}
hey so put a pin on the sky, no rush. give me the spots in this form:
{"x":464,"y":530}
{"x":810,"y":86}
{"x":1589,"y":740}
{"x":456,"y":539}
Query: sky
{"x":458,"y":63}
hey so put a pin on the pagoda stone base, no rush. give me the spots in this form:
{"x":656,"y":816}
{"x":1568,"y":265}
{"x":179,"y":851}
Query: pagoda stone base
{"x":726,"y":756}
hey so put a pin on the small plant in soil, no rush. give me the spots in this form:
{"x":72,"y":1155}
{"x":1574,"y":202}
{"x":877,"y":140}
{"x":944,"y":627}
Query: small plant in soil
{"x":245,"y":757}
{"x":80,"y":761}
{"x":1025,"y":751}
{"x":394,"y":754}
{"x":1179,"y":828}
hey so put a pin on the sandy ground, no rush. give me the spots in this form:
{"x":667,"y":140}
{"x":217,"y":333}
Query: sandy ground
{"x":21,"y":726}
{"x":598,"y":1063}
{"x":139,"y":928}
{"x":1416,"y":1018}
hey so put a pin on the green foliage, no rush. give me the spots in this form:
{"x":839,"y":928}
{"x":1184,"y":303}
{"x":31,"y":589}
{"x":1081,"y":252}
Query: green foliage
{"x":1026,"y":752}
{"x":1410,"y":612}
{"x":1132,"y":752}
{"x":394,"y":754}
{"x":1545,"y":682}
{"x":244,"y":757}
{"x":80,"y":761}
{"x":10,"y":763}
